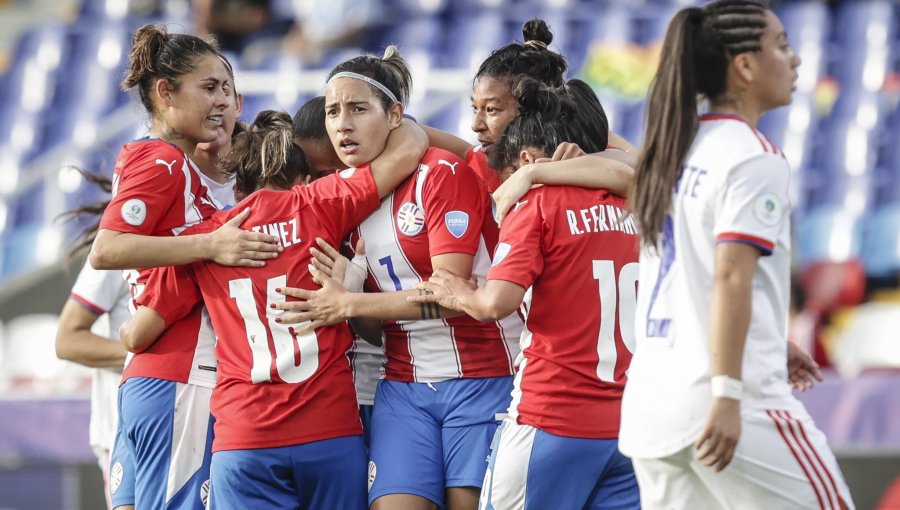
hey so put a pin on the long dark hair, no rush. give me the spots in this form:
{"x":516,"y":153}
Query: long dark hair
{"x":699,"y":44}
{"x":85,"y":239}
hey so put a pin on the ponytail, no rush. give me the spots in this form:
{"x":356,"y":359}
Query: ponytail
{"x":697,"y":49}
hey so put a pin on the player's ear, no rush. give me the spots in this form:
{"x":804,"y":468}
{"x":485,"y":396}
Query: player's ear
{"x":395,"y":115}
{"x":525,"y":157}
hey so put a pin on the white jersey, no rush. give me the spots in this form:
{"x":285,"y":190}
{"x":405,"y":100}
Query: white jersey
{"x":106,"y":294}
{"x":367,"y":362}
{"x":734,"y":188}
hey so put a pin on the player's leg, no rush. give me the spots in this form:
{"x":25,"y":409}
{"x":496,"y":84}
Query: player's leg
{"x":669,"y":482}
{"x":169,"y":430}
{"x":782,"y":461}
{"x":474,"y":408}
{"x":121,"y":474}
{"x":405,"y":458}
{"x":617,"y":488}
{"x":259,"y":478}
{"x":331,"y":473}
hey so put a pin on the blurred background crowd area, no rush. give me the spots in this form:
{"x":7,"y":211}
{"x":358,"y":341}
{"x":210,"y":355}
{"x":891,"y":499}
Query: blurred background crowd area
{"x":61,"y":107}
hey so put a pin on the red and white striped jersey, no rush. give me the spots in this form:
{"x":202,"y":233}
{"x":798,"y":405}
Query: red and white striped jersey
{"x":158,"y":191}
{"x":442,"y":208}
{"x":576,"y":249}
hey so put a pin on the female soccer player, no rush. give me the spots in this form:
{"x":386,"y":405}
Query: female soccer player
{"x":164,"y":420}
{"x":564,"y":243}
{"x":287,"y":424}
{"x":494,"y":106}
{"x":446,"y":379}
{"x":708,"y":416}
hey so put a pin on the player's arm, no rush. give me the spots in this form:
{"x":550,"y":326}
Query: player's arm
{"x":587,"y":171}
{"x":729,"y":321}
{"x":446,"y":141}
{"x":620,"y":143}
{"x":228,"y":245}
{"x":75,"y":342}
{"x":333,"y":303}
{"x":493,"y":301}
{"x":405,"y":147}
{"x":142,"y":329}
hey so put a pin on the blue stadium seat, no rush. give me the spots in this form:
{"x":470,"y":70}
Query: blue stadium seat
{"x":471,"y":38}
{"x":866,"y":27}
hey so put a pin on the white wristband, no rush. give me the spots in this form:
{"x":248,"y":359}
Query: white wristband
{"x":724,"y":386}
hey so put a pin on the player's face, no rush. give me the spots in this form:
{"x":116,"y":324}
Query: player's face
{"x":356,"y":121}
{"x":493,"y":107}
{"x":223,"y":135}
{"x":777,"y":64}
{"x":320,"y":156}
{"x":196,"y":111}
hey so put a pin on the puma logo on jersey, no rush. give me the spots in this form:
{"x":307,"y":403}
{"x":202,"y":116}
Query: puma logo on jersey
{"x":447,"y":163}
{"x":166,"y":164}
{"x":519,"y":204}
{"x":207,"y":201}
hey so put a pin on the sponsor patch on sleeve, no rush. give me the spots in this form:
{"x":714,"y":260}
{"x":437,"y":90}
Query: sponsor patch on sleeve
{"x":457,"y":223}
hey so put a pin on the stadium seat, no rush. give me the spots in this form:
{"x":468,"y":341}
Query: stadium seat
{"x":865,"y":29}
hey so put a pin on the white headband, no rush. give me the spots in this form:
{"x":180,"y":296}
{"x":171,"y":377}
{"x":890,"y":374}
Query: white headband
{"x":370,"y":81}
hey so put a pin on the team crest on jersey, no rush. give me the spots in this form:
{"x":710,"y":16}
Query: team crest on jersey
{"x":134,"y":212}
{"x":767,"y":209}
{"x":204,"y":493}
{"x":457,"y":223}
{"x":373,"y":471}
{"x":500,"y":253}
{"x":116,"y":473}
{"x":410,"y":219}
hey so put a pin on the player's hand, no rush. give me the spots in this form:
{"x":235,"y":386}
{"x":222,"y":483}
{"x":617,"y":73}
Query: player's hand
{"x":334,"y":265}
{"x":445,"y":289}
{"x":511,"y":191}
{"x":717,"y":443}
{"x":567,"y":150}
{"x":229,"y":245}
{"x":803,"y":371}
{"x":323,"y":307}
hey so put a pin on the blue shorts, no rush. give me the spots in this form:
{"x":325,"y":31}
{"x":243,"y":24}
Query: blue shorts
{"x":531,"y":469}
{"x":168,"y":431}
{"x":323,"y":474}
{"x":365,"y":416}
{"x":428,"y":437}
{"x":121,"y":472}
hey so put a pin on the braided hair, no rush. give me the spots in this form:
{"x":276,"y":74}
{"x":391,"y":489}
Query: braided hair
{"x":698,"y":48}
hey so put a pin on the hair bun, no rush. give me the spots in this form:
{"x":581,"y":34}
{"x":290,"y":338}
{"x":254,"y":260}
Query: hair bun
{"x":537,"y":32}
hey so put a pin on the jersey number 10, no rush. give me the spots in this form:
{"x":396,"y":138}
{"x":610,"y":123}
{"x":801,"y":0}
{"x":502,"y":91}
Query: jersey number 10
{"x":296,"y":357}
{"x":617,"y":303}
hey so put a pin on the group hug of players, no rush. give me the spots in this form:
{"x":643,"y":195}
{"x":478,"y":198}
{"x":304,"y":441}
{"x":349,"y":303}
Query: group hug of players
{"x":348,"y":310}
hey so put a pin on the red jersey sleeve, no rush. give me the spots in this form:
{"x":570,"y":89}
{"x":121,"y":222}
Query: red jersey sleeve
{"x":477,"y":161}
{"x":342,"y":200}
{"x":455,"y":201}
{"x":171,"y":292}
{"x":518,"y":257}
{"x":148,"y":193}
